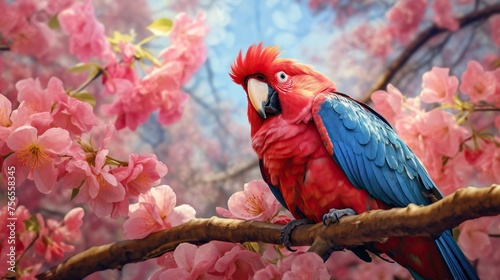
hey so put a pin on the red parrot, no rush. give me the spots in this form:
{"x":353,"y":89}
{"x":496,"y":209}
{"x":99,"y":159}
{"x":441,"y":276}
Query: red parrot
{"x":322,"y":152}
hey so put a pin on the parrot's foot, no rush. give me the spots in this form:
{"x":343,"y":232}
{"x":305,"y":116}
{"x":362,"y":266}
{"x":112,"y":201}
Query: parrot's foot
{"x":334,"y":215}
{"x":286,"y":232}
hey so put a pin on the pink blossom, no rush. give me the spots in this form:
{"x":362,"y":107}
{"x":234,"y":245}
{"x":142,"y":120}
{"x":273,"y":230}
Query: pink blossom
{"x":88,"y":172}
{"x":494,"y":22}
{"x":406,"y":128}
{"x":116,"y":70}
{"x":487,"y":268}
{"x":304,"y":266}
{"x":187,"y":30}
{"x":35,"y":156}
{"x":56,"y":6}
{"x":5,"y":111}
{"x":474,"y":238}
{"x":172,"y":107}
{"x":438,"y":86}
{"x":214,"y":260}
{"x":239,"y":263}
{"x":21,"y":215}
{"x":255,"y":202}
{"x":447,"y":177}
{"x":70,"y":113}
{"x":341,"y":264}
{"x":155,"y":211}
{"x":99,"y":188}
{"x":141,"y":173}
{"x":87,"y":37}
{"x":404,"y":17}
{"x":477,"y":83}
{"x":296,"y":266}
{"x":54,"y":237}
{"x":488,"y":162}
{"x":388,"y":103}
{"x":161,"y":87}
{"x":188,"y":262}
{"x":32,"y":96}
{"x":70,"y":227}
{"x":188,"y":47}
{"x":8,"y":19}
{"x":5,"y":123}
{"x":379,"y":269}
{"x":188,"y":57}
{"x":133,"y":107}
{"x":32,"y":33}
{"x":381,"y":41}
{"x":441,"y":128}
{"x":443,"y":15}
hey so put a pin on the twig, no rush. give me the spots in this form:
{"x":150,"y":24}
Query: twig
{"x":231,"y":172}
{"x":377,"y":225}
{"x":420,"y":40}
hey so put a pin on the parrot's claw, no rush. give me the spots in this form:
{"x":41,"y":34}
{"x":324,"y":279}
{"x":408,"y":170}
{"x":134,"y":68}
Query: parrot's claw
{"x":334,"y":215}
{"x":286,"y":232}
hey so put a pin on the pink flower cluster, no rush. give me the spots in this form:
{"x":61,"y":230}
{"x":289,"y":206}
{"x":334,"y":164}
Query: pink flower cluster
{"x":48,"y":140}
{"x":255,"y":202}
{"x":86,"y":33}
{"x":22,"y":25}
{"x":222,"y":260}
{"x":446,"y":138}
{"x":34,"y":136}
{"x":39,"y":240}
{"x":161,"y":88}
{"x":403,"y":21}
{"x":106,"y":188}
{"x":155,"y":211}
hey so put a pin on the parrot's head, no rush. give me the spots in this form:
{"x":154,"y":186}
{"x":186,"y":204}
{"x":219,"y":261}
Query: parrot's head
{"x":277,"y":87}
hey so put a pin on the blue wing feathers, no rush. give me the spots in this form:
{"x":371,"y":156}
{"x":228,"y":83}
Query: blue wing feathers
{"x":373,"y":156}
{"x":459,"y":266}
{"x":274,"y":190}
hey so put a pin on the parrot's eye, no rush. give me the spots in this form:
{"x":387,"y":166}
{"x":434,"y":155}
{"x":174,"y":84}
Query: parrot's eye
{"x":281,"y":76}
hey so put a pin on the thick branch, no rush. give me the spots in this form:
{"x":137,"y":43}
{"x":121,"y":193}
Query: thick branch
{"x":420,"y":40}
{"x":377,"y":225}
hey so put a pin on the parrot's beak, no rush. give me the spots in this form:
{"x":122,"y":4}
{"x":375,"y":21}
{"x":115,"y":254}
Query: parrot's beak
{"x":263,"y":98}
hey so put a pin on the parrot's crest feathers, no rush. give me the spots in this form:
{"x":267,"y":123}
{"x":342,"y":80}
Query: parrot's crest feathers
{"x":256,"y":60}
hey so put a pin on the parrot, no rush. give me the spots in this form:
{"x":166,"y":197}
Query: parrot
{"x":325,"y":155}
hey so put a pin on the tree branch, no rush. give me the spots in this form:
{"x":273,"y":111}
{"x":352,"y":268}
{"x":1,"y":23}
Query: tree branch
{"x":376,"y":225}
{"x":230,"y":172}
{"x":419,"y":41}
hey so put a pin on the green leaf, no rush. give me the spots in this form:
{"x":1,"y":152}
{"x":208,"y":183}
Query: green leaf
{"x":74,"y":193}
{"x":161,"y":26}
{"x":83,"y":67}
{"x":32,"y":224}
{"x":85,"y":97}
{"x":54,"y":22}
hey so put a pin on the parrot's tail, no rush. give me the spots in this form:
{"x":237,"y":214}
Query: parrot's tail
{"x":458,"y":264}
{"x":428,"y":258}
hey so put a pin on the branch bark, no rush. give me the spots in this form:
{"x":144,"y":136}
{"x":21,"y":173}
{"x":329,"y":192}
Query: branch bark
{"x":420,"y":40}
{"x":377,"y":225}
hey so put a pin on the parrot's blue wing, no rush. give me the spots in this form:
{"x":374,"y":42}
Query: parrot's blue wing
{"x":373,"y":157}
{"x":273,"y":188}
